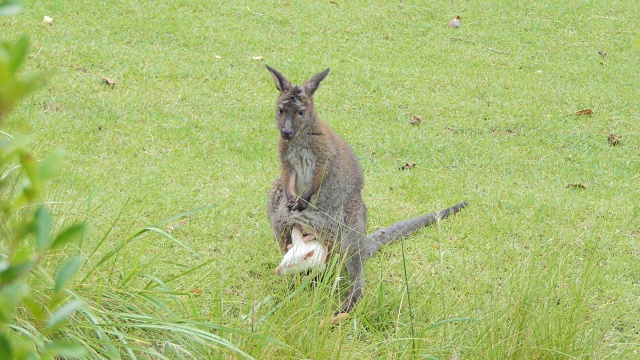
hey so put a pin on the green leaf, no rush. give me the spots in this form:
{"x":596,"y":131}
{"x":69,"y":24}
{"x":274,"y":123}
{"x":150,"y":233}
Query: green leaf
{"x":10,"y":296}
{"x":49,"y":166}
{"x":18,"y":53}
{"x":63,"y":313}
{"x":5,"y":347}
{"x":66,"y":273}
{"x":10,"y":7}
{"x":43,"y":226}
{"x":35,"y":307}
{"x":74,"y":232}
{"x":13,"y":272}
{"x":65,"y":349}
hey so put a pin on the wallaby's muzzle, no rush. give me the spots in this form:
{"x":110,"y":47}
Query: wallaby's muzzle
{"x":286,"y":134}
{"x":286,"y":131}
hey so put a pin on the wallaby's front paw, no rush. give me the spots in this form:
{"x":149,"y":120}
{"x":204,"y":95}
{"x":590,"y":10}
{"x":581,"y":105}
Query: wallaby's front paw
{"x":292,"y":205}
{"x":296,"y":204}
{"x":301,"y":204}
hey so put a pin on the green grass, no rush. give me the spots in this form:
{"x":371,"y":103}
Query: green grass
{"x":533,"y":268}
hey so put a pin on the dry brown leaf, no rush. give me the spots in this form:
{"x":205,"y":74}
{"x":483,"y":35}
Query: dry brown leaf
{"x":584,"y":112}
{"x":407,"y":166}
{"x":333,"y":320}
{"x":613,"y":139}
{"x":576,"y":186}
{"x":108,"y":81}
{"x":416,"y":119}
{"x":196,"y":292}
{"x":455,"y":23}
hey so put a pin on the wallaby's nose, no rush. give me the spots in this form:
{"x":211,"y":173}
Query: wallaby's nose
{"x":286,"y":134}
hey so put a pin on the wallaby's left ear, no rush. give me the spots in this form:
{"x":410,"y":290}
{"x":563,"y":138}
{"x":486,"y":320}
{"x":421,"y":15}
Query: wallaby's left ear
{"x":296,"y":235}
{"x":312,"y":85}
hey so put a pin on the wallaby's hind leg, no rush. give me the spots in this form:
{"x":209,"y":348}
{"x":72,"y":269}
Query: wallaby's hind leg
{"x":355,"y":267}
{"x":278,"y":214}
{"x":352,"y":241}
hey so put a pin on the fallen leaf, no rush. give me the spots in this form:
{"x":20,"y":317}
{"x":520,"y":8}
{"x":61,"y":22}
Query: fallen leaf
{"x":455,"y":23}
{"x":217,"y":57}
{"x":575,"y":186}
{"x":504,"y":131}
{"x":416,"y":119}
{"x":108,"y":81}
{"x":408,"y":166}
{"x":228,"y":291}
{"x":333,"y":2}
{"x":47,"y":21}
{"x":196,"y":292}
{"x":584,"y":112}
{"x":257,"y":58}
{"x":602,"y":53}
{"x":613,"y":139}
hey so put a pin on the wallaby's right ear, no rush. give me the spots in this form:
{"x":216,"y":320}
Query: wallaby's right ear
{"x":282,"y":84}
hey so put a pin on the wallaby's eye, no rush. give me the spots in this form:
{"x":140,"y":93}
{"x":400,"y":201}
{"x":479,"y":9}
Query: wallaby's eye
{"x":280,"y":111}
{"x":301,"y":112}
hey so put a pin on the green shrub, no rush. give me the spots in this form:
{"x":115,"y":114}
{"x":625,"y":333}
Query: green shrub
{"x":26,"y":231}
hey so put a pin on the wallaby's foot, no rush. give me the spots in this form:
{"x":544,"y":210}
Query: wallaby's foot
{"x":332,"y":321}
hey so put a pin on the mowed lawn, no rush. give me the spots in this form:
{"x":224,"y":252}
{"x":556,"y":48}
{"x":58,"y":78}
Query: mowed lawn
{"x":544,"y":263}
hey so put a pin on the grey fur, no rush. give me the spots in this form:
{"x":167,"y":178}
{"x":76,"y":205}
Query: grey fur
{"x":320,"y":186}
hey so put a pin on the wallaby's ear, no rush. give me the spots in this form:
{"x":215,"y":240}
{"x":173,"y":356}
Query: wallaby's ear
{"x":312,"y":85}
{"x":309,"y":254}
{"x":296,"y":235}
{"x":282,"y":84}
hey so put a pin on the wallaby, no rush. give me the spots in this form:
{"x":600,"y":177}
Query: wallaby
{"x":320,"y":186}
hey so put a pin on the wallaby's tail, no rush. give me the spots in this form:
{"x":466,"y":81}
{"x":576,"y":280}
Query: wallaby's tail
{"x":406,"y":227}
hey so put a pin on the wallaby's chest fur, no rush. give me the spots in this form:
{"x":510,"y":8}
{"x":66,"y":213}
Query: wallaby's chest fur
{"x":303,"y":160}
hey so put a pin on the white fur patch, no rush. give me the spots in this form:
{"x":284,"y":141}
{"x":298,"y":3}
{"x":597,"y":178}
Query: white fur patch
{"x":304,"y":255}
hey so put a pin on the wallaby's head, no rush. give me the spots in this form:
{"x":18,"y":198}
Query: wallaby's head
{"x":295,"y":109}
